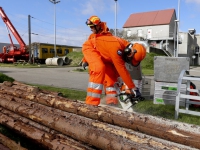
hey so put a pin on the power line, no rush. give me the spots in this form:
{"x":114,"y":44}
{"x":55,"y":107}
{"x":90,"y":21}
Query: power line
{"x":59,"y":26}
{"x":78,"y":35}
{"x":21,"y":25}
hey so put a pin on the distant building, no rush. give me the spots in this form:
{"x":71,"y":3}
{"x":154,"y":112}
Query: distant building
{"x":158,"y":29}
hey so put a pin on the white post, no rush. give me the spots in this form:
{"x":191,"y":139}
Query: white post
{"x":55,"y":2}
{"x":177,"y":48}
{"x":176,"y":37}
{"x":55,"y":30}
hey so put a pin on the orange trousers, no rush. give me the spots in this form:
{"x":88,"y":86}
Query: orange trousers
{"x":102,"y":74}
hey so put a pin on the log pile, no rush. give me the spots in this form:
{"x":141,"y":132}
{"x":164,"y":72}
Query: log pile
{"x":60,"y":123}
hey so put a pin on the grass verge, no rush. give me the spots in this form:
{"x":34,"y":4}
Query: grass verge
{"x":165,"y":111}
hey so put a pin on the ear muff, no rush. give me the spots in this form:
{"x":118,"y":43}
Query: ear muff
{"x":140,"y":53}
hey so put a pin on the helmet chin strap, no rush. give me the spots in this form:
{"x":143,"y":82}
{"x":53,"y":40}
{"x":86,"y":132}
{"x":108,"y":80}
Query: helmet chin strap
{"x":97,"y":31}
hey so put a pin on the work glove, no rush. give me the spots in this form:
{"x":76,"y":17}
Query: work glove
{"x":133,"y":93}
{"x":84,"y":65}
{"x":136,"y":93}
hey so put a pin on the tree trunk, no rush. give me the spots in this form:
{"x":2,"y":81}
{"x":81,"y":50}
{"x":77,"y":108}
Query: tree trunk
{"x":161,"y":128}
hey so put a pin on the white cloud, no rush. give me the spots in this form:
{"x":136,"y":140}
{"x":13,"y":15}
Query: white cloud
{"x":193,"y":1}
{"x":92,"y":7}
{"x":69,"y":36}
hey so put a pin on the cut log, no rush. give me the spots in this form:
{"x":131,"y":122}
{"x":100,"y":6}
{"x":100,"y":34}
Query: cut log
{"x":12,"y":145}
{"x":7,"y":83}
{"x":33,"y":104}
{"x":98,"y":134}
{"x":28,"y":88}
{"x":26,"y":121}
{"x":158,"y":127}
{"x":21,"y":86}
{"x":50,"y":141}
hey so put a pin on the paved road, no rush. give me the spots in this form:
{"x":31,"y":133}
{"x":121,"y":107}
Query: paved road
{"x":58,"y":77}
{"x":64,"y":77}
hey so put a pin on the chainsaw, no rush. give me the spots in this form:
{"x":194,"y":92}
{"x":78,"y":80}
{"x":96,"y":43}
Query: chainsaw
{"x":126,"y":100}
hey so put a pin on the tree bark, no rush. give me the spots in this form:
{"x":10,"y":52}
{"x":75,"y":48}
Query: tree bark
{"x":12,"y":145}
{"x":54,"y":141}
{"x":55,"y":133}
{"x":158,"y":127}
{"x":98,"y":134}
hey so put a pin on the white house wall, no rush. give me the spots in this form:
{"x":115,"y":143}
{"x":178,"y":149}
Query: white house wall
{"x":158,"y":32}
{"x":198,"y":44}
{"x":172,"y":26}
{"x":183,"y":47}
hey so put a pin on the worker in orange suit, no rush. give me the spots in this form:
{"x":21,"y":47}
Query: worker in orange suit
{"x":106,"y":56}
{"x":97,"y":27}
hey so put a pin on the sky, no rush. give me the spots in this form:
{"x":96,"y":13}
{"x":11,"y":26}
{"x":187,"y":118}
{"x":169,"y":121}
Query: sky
{"x":71,"y":16}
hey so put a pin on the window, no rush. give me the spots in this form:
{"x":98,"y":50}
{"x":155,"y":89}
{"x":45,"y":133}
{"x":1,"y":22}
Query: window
{"x":59,"y":51}
{"x":66,"y":51}
{"x":197,"y":49}
{"x":140,"y":33}
{"x":52,"y":50}
{"x":44,"y":50}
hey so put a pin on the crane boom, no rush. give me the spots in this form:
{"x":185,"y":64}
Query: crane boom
{"x":13,"y":30}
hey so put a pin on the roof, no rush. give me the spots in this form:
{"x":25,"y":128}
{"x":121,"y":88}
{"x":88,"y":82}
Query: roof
{"x":38,"y":43}
{"x":160,"y":17}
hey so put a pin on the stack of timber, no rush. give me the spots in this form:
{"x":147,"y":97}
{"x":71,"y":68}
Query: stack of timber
{"x":63,"y":124}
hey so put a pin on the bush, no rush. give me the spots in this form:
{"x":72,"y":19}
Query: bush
{"x":75,"y":58}
{"x":148,"y":62}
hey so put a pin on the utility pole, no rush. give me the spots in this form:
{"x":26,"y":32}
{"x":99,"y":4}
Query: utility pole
{"x":55,"y":2}
{"x":175,"y":37}
{"x":29,"y":33}
{"x":178,"y":21}
{"x":115,"y":17}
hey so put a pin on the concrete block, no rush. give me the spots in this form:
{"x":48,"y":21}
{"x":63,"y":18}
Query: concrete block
{"x":168,"y":69}
{"x":135,"y":72}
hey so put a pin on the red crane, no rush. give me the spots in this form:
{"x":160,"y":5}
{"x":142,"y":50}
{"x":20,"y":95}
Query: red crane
{"x":12,"y":53}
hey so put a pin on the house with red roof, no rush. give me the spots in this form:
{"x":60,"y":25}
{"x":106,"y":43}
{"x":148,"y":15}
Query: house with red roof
{"x":159,"y":30}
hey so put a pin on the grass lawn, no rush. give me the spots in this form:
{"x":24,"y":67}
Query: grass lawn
{"x":165,"y":111}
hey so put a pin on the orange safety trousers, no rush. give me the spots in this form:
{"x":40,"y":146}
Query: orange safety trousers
{"x":111,"y":76}
{"x":101,"y":75}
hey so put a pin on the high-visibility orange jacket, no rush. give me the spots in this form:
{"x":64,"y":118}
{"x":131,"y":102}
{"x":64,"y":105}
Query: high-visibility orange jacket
{"x":101,"y":52}
{"x":105,"y":31}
